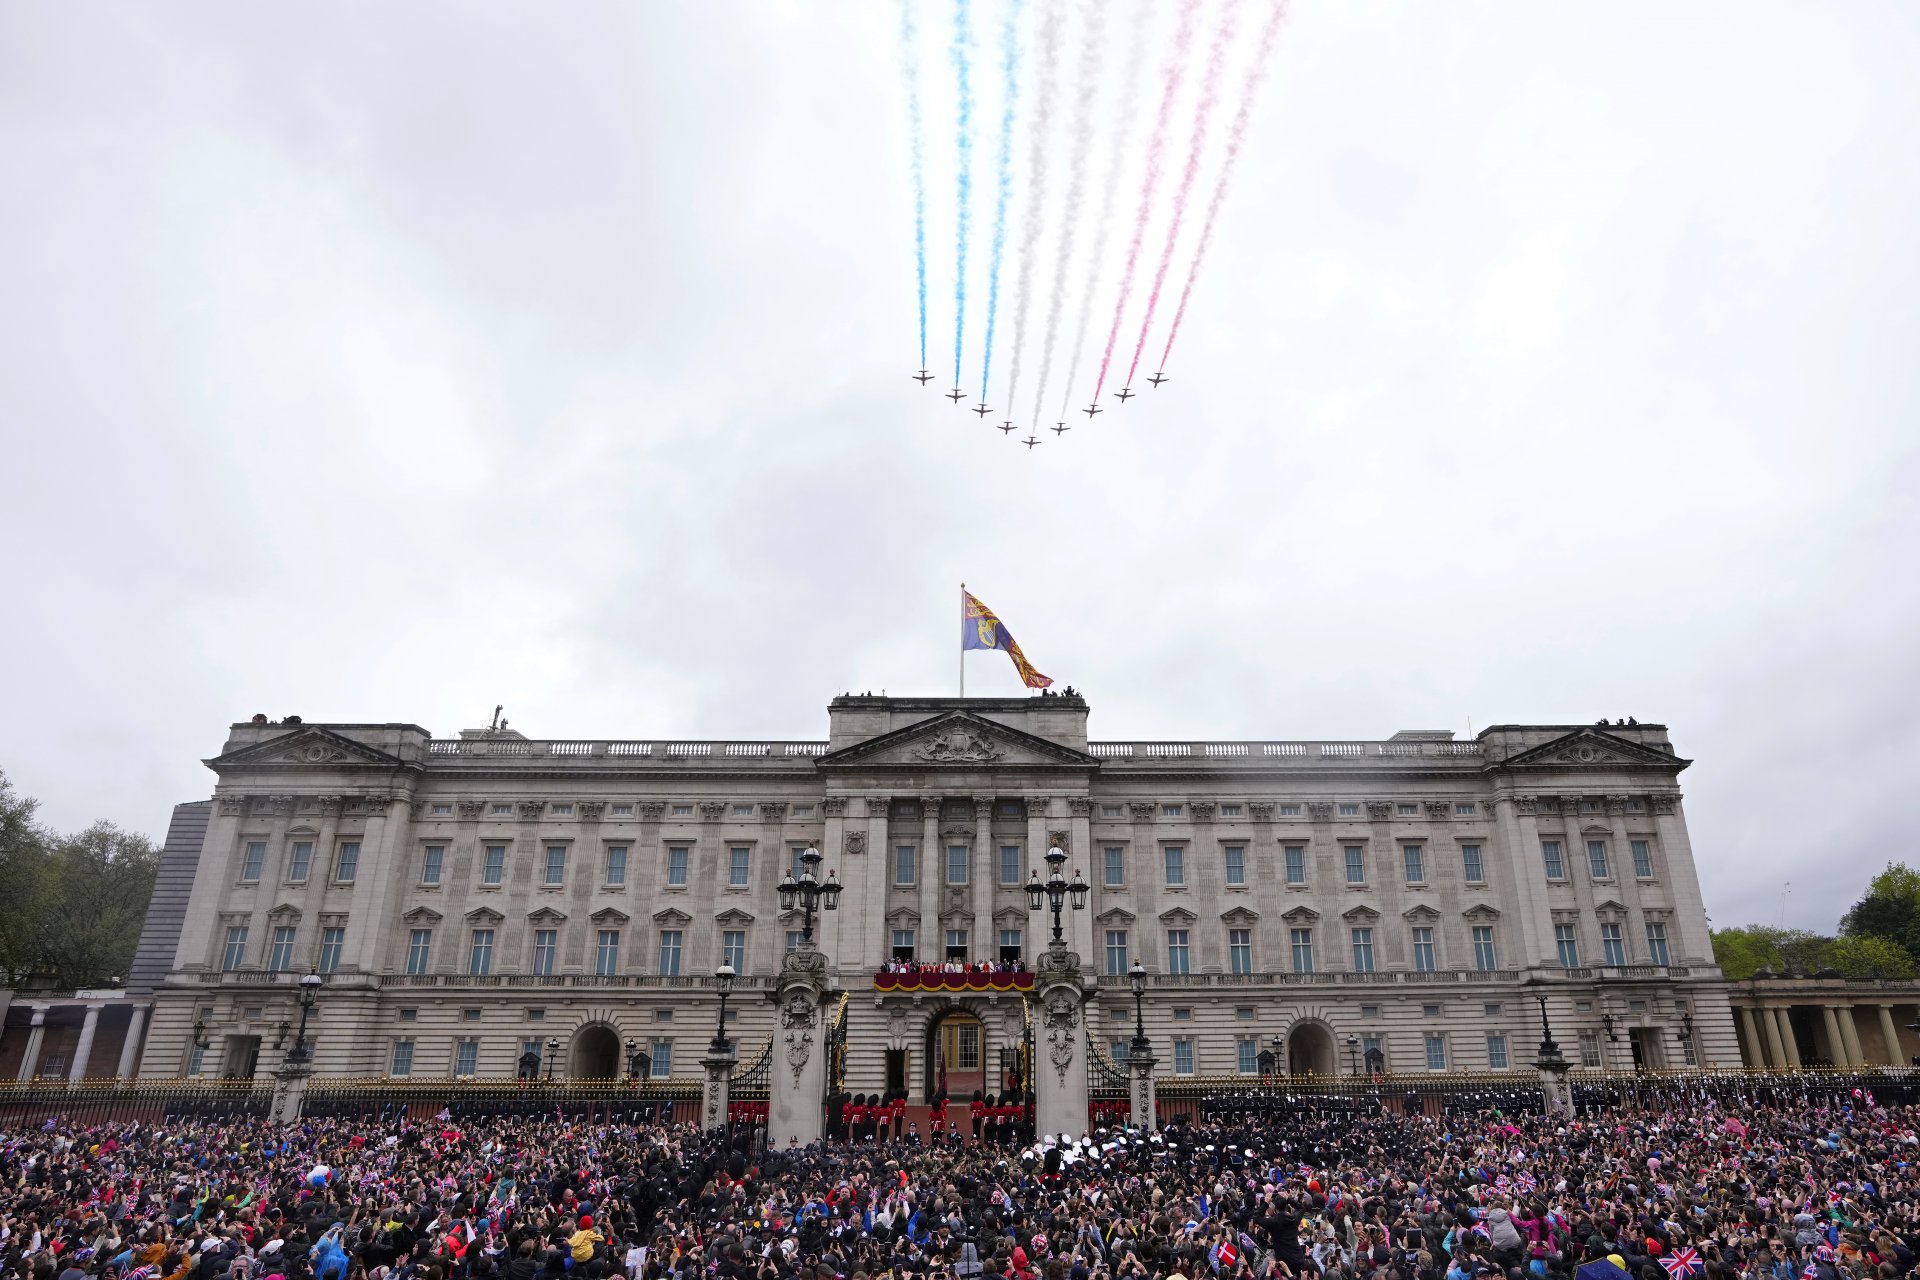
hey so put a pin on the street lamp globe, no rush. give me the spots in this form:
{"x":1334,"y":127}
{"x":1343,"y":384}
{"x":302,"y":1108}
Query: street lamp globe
{"x":1137,"y":978}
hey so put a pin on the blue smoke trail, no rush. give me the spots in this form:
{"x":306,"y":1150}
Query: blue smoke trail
{"x":1003,"y":179}
{"x":963,"y":221}
{"x":909,"y":33}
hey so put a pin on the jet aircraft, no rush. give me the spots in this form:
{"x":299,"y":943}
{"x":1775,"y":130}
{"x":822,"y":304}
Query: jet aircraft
{"x":1091,"y":409}
{"x":1159,"y":378}
{"x":982,"y":410}
{"x":956,"y":395}
{"x":1125,"y":394}
{"x":923,"y":377}
{"x":1060,"y":428}
{"x":1007,"y":427}
{"x":1031,"y":441}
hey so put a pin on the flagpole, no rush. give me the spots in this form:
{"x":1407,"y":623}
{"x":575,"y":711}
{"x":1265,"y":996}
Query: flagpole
{"x":963,"y":639}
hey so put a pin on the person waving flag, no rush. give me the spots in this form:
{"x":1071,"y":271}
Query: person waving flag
{"x":1682,"y":1263}
{"x":981,"y":628}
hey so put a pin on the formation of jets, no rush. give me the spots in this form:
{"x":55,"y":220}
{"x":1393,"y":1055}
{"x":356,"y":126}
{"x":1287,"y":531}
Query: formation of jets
{"x":1059,"y":429}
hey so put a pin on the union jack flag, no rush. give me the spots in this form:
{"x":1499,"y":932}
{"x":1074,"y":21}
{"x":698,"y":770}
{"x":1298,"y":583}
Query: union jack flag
{"x":1526,"y":1184}
{"x":1682,"y":1263}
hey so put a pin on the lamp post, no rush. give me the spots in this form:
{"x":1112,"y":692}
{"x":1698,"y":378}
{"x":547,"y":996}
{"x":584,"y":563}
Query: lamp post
{"x":1686,"y":1038}
{"x":1552,"y":1065}
{"x":806,"y":891}
{"x":1137,"y":979}
{"x":1140,"y":1059}
{"x":553,"y":1052}
{"x":1353,"y":1055}
{"x":1056,"y":891}
{"x":310,"y":984}
{"x":722,"y":978}
{"x":636,"y":1071}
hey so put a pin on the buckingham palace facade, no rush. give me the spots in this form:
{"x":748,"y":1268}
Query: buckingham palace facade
{"x":1400,"y":903}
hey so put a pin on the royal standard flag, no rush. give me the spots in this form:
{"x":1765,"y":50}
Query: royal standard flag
{"x":981,"y":629}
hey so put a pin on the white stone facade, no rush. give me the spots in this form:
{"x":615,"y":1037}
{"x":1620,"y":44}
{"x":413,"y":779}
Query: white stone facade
{"x":1328,"y":897}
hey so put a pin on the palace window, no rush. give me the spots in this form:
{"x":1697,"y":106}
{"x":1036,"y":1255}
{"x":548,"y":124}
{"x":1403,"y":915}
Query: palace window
{"x":1240,"y":950}
{"x":1246,"y":1055}
{"x":1642,"y":859}
{"x":1236,"y":855}
{"x":606,"y":952}
{"x":1416,"y":860}
{"x":733,"y":949}
{"x":1114,"y":859}
{"x":545,"y":943}
{"x":677,"y":858}
{"x":1010,"y":864}
{"x":301,"y":862}
{"x":1296,"y":856}
{"x":1289,"y":810}
{"x":1464,"y":809}
{"x":431,"y":862}
{"x":1613,"y":945}
{"x":739,"y":862}
{"x":280,"y":953}
{"x":1183,"y":1056}
{"x":466,"y":1058}
{"x":1179,"y":956}
{"x":670,"y":953}
{"x":255,"y":862}
{"x":235,"y":953}
{"x":904,"y":870}
{"x":556,"y":864}
{"x":1302,"y":940}
{"x":1496,"y":1051}
{"x":1406,"y":810}
{"x":1176,"y":866}
{"x":332,"y":940}
{"x":1363,"y":950}
{"x":401,"y":1063}
{"x":1116,"y":952}
{"x":1436,"y":1051}
{"x":347,"y":865}
{"x":1470,"y":864}
{"x":1229,"y":810}
{"x":1349,"y":810}
{"x":1597,"y":859}
{"x":1483,"y":957}
{"x":1657,"y":943}
{"x":1566,"y":941}
{"x":1423,"y":961}
{"x":480,"y":953}
{"x":1555,"y":864}
{"x":616,"y":864}
{"x":1356,"y":856}
{"x":419,"y":950}
{"x":493,"y":866}
{"x":957,"y":864}
{"x":561,"y":810}
{"x":662,"y":1059}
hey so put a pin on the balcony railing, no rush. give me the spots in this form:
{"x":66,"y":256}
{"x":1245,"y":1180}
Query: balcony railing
{"x":1254,"y":752}
{"x":511,"y":981}
{"x":616,"y":749}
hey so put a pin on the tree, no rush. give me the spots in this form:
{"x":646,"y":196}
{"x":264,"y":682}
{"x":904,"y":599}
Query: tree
{"x":1743,"y":951}
{"x":25,"y":866}
{"x":1890,"y":910}
{"x":1865,"y":956}
{"x":102,"y":880}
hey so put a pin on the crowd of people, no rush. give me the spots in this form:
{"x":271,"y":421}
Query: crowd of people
{"x":995,"y":968}
{"x":1684,"y":1189}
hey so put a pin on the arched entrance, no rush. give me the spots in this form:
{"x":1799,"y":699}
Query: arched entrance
{"x":1310,"y":1050}
{"x":956,"y":1055}
{"x":596,"y":1054}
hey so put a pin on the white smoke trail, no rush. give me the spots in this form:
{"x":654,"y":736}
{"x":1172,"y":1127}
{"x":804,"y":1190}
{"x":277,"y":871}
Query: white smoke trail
{"x":1039,"y":134}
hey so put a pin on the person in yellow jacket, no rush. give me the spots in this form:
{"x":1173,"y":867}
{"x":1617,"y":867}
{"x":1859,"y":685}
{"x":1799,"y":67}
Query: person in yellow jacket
{"x":583,"y":1241}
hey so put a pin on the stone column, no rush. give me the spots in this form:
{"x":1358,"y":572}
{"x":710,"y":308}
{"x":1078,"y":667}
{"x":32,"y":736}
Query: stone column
{"x":986,"y":874}
{"x":1784,"y":1016}
{"x":1750,"y":1038}
{"x":1850,"y":1036}
{"x":382,"y":863}
{"x":1140,"y":1064}
{"x":1891,"y":1034}
{"x":89,"y":1026}
{"x":1060,"y":1076}
{"x":290,"y":1088}
{"x":718,"y":1064}
{"x":130,"y":1047}
{"x":1776,"y":1050}
{"x":1836,"y":1049}
{"x":1555,"y":1096}
{"x":36,"y":1036}
{"x":798,"y":1087}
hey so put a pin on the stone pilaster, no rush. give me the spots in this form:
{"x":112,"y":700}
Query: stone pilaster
{"x":718,"y":1066}
{"x":1060,"y":1075}
{"x":36,"y":1036}
{"x":797,"y":1092}
{"x":1144,"y":1114}
{"x":290,"y":1090}
{"x":130,"y":1047}
{"x":89,"y":1027}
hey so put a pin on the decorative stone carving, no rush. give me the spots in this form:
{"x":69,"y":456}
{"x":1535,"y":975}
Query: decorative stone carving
{"x":856,"y":842}
{"x":712,"y":810}
{"x":313,"y":752}
{"x":377,"y":805}
{"x":1079,"y":807}
{"x":879,"y":806}
{"x":1055,"y":964}
{"x":1587,"y":753}
{"x":1062,"y":840}
{"x":1061,"y":1018}
{"x":1439,"y":810}
{"x":1379,"y":810}
{"x":1202,"y":810}
{"x":834,"y":807}
{"x":232,"y":806}
{"x":956,"y":833}
{"x":1320,"y":810}
{"x":1616,"y":804}
{"x":796,"y":1029}
{"x":1526,"y":804}
{"x":652,"y":810}
{"x":982,"y":811}
{"x":470,"y":809}
{"x":531,"y":809}
{"x":773,"y":812}
{"x":959,"y":745}
{"x":590,"y":810}
{"x":1261,"y":810}
{"x":1037,"y":806}
{"x":956,"y":903}
{"x":281,"y":804}
{"x":1665,"y":803}
{"x":417,"y":809}
{"x":1141,"y":810}
{"x":897,"y":1027}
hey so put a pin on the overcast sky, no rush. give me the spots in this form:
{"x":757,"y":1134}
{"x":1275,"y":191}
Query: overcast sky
{"x":385,"y":361}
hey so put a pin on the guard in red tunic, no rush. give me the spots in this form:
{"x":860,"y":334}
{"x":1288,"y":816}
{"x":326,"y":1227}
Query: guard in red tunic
{"x":899,"y":1113}
{"x":977,"y":1113}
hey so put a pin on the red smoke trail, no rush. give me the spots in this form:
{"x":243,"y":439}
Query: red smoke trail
{"x":1236,"y":134}
{"x":1202,"y":114}
{"x":1170,"y":86}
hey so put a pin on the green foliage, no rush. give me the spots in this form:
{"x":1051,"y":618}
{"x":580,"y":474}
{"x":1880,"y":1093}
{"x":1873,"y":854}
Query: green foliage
{"x":1743,"y":951}
{"x":1865,"y":956}
{"x":1890,"y":910}
{"x":74,"y":904}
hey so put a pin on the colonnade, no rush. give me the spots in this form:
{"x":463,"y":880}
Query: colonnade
{"x":1768,"y":1037}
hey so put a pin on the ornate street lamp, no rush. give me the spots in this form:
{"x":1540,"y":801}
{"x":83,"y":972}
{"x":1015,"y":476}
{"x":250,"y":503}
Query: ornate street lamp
{"x":807,"y":890}
{"x":553,"y":1054}
{"x":310,"y":984}
{"x":1056,"y":890}
{"x":635,"y":1069}
{"x":723,"y":978}
{"x":1137,"y":979}
{"x":1353,"y":1055}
